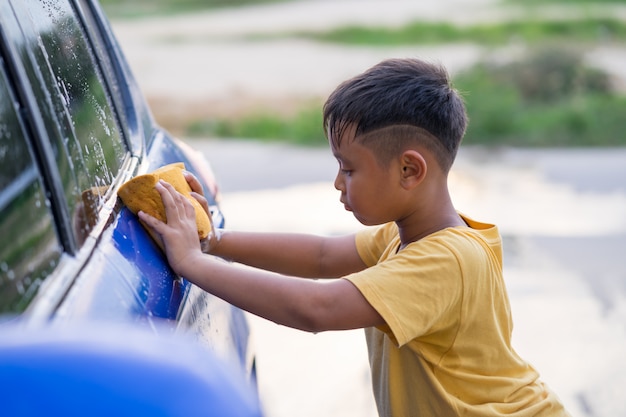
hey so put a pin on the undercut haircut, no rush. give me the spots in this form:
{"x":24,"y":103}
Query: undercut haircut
{"x":389,"y":142}
{"x":403,"y":93}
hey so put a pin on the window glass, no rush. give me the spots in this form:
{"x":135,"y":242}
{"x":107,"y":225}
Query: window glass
{"x":103,"y":55}
{"x":74,"y":103}
{"x":29,"y":249}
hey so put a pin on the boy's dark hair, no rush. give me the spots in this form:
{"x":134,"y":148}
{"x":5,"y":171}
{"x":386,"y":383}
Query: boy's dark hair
{"x":410,"y":94}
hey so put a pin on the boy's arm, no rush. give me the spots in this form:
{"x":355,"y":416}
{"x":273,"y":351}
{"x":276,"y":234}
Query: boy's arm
{"x":304,"y":304}
{"x":310,"y":305}
{"x":299,"y":255}
{"x":291,"y":254}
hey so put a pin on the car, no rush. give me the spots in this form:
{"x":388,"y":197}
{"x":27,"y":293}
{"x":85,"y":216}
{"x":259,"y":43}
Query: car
{"x":74,"y":127}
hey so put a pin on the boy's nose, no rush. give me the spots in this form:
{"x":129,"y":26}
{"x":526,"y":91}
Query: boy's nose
{"x":338,"y":183}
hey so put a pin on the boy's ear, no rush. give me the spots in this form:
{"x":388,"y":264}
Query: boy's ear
{"x":414,"y":168}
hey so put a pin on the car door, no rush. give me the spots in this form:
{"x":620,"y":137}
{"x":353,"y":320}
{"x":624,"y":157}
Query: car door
{"x":31,"y":250}
{"x":68,"y":121}
{"x":73,"y":128}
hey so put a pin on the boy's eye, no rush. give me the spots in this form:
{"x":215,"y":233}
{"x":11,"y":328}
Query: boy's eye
{"x":343,"y":169}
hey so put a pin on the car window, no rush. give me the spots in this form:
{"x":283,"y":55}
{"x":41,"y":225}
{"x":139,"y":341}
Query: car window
{"x":73,"y":102}
{"x":29,"y":250}
{"x":104,"y":47}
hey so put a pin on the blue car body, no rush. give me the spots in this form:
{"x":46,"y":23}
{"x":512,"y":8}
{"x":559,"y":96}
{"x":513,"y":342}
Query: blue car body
{"x":59,"y":265}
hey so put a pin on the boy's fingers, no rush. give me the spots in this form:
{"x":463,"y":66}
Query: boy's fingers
{"x":154,"y":223}
{"x":173,"y":201}
{"x":193,"y":182}
{"x":202,"y":200}
{"x":168,"y":195}
{"x":196,"y":191}
{"x":165,"y":189}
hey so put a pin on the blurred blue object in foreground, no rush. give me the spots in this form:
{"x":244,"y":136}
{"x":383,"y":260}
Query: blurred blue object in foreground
{"x":116,"y":371}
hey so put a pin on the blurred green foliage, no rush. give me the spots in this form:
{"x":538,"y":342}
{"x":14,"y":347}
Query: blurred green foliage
{"x":143,"y":8}
{"x":529,"y":31}
{"x":549,"y":97}
{"x":577,"y":2}
{"x":552,"y":73}
{"x":304,"y":128}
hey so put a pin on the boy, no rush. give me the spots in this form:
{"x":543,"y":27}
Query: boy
{"x":425,"y":283}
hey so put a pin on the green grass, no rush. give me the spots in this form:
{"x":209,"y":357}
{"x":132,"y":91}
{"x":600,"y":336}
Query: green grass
{"x":500,"y":115}
{"x":304,"y":128}
{"x":514,"y":109}
{"x":530,"y":31}
{"x":547,"y":99}
{"x":143,"y":8}
{"x":497,"y":117}
{"x":577,"y":2}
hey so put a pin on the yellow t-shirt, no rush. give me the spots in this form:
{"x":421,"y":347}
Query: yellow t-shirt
{"x":446,"y":347}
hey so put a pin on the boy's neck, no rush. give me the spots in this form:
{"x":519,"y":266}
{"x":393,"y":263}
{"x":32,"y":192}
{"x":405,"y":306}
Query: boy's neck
{"x":439,"y":214}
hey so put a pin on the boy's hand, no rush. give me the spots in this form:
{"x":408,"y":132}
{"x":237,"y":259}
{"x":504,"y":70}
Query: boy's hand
{"x":180,"y":233}
{"x":211,"y":241}
{"x":196,"y":191}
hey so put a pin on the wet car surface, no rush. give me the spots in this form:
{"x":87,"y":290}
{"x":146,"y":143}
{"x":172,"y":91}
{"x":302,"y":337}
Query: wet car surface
{"x":74,"y":127}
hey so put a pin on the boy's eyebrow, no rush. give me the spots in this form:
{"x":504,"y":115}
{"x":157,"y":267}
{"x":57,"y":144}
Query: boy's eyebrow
{"x":336,"y":152}
{"x":339,"y":155}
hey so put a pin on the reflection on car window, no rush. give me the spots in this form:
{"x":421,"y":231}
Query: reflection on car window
{"x":73,"y":102}
{"x":29,"y":249}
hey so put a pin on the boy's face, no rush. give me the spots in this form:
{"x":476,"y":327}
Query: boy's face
{"x":368,"y":190}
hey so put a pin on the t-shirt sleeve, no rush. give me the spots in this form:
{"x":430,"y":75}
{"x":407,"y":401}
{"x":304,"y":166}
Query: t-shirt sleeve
{"x":417,"y":291}
{"x":372,"y":242}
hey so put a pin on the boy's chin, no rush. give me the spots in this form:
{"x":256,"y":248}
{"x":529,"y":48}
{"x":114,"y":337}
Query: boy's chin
{"x":366,"y":222}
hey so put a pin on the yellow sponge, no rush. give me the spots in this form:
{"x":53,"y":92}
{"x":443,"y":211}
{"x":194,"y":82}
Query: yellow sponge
{"x":139,"y":194}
